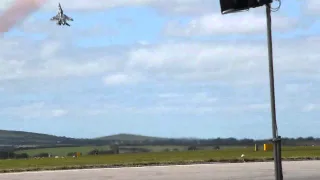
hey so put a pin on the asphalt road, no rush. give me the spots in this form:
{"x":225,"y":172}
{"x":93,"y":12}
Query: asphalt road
{"x":244,"y":171}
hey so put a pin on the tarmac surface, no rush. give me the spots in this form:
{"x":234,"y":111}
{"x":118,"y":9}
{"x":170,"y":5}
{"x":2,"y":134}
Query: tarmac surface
{"x":294,"y":170}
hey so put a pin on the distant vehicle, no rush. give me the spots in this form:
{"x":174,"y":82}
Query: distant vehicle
{"x":61,"y":18}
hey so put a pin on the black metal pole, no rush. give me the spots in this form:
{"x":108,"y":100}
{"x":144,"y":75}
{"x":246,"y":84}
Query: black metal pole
{"x":276,"y":139}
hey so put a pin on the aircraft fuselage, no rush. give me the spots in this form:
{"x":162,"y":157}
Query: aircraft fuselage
{"x":61,"y":18}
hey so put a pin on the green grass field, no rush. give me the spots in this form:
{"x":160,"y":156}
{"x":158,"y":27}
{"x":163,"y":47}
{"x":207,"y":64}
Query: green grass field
{"x":63,"y":151}
{"x":231,"y":154}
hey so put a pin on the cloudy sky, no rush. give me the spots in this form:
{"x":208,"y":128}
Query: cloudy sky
{"x":164,"y":68}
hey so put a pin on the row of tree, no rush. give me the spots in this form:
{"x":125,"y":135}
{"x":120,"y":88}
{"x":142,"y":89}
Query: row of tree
{"x":12,"y":155}
{"x":181,"y":142}
{"x":177,"y":142}
{"x":222,"y":142}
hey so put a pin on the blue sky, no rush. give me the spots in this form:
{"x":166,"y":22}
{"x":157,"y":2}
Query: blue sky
{"x":160,"y":68}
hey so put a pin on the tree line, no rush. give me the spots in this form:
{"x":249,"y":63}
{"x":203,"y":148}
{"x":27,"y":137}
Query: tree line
{"x":170,"y":142}
{"x":221,"y":142}
{"x":190,"y":144}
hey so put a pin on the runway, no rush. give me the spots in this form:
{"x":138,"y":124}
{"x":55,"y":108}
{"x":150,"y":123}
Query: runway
{"x":243,"y":171}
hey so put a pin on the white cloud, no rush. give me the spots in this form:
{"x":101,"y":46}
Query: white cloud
{"x":202,"y":98}
{"x":202,"y":60}
{"x":59,"y":112}
{"x":312,"y":6}
{"x":51,"y":59}
{"x":118,"y":79}
{"x":261,"y":106}
{"x":36,"y":26}
{"x":226,"y":61}
{"x":297,"y":88}
{"x":157,"y":102}
{"x":310,"y":107}
{"x":174,"y":6}
{"x":231,"y":62}
{"x":216,"y":24}
{"x":33,"y":111}
{"x":182,"y":109}
{"x":170,"y":95}
{"x":213,"y":61}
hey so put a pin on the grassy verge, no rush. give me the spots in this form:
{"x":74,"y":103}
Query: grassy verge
{"x":63,"y":151}
{"x":156,"y":158}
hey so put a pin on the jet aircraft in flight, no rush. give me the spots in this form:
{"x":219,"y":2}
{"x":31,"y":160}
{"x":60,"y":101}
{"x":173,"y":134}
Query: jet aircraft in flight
{"x":61,"y":18}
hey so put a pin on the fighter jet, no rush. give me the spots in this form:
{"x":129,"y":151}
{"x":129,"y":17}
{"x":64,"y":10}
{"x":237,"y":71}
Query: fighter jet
{"x":61,"y":18}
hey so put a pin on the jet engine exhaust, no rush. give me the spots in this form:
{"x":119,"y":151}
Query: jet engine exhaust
{"x":20,"y":10}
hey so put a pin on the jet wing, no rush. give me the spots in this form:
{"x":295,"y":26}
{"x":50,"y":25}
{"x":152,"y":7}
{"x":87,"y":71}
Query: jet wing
{"x":55,"y":18}
{"x":67,"y":18}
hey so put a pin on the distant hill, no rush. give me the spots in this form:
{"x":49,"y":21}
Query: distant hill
{"x":13,"y":134}
{"x":129,"y":137}
{"x":22,"y":137}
